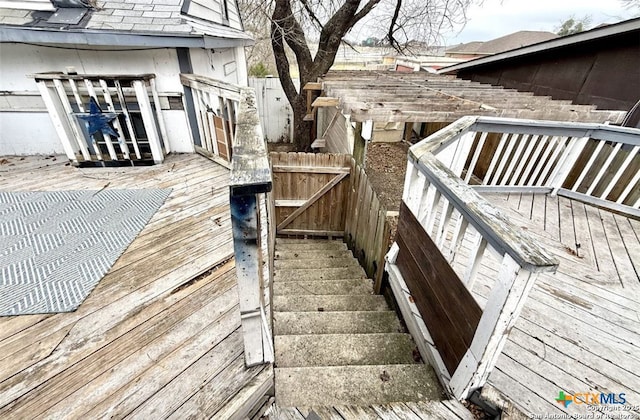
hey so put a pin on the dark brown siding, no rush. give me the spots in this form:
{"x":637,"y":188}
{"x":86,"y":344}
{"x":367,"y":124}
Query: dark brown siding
{"x":448,"y":309}
{"x":603,"y":72}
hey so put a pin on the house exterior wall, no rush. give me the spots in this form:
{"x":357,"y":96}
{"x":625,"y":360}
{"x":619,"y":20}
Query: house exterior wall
{"x":214,"y":11}
{"x":227,"y":64}
{"x":25,"y":126}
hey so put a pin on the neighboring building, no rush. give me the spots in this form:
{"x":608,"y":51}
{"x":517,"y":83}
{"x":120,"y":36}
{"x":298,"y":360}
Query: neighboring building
{"x":598,"y":67}
{"x":512,"y":41}
{"x":103,"y":38}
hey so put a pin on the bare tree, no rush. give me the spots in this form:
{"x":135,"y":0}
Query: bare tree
{"x":573,"y":25}
{"x":294,"y":22}
{"x":633,"y":6}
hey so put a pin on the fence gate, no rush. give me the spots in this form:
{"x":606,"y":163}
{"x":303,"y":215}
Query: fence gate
{"x":310,"y":192}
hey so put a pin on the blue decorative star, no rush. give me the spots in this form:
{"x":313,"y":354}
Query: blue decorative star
{"x":99,"y":121}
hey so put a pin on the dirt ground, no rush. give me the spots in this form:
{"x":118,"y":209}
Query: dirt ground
{"x":386,"y":165}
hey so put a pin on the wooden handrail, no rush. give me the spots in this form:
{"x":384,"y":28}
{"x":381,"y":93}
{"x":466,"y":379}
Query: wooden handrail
{"x":250,"y":176}
{"x":64,"y":76}
{"x":207,"y":84}
{"x":501,"y":234}
{"x":250,"y":171}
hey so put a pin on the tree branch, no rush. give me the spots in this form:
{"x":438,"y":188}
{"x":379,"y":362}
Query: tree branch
{"x":282,"y":62}
{"x":292,"y":32}
{"x":392,"y":39}
{"x":311,"y":14}
{"x":364,"y":11}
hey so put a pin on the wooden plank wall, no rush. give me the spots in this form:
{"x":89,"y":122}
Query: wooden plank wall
{"x":367,"y":231}
{"x":296,"y":178}
{"x":337,"y":138}
{"x":449,"y":310}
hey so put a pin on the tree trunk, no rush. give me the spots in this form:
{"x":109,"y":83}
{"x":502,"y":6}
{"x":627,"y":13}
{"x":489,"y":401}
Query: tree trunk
{"x":302,"y":136}
{"x":285,"y":29}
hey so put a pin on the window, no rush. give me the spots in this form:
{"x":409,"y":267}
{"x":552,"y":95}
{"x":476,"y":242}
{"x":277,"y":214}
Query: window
{"x":225,"y":11}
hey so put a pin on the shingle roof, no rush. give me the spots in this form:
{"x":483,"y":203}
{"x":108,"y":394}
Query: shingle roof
{"x":505,"y":43}
{"x":600,"y":32}
{"x":469,"y":47}
{"x":130,"y":16}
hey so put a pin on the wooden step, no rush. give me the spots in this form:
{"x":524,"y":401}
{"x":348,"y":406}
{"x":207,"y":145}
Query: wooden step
{"x":355,"y":385}
{"x":352,"y":322}
{"x":349,"y":262}
{"x":280,"y":241}
{"x":324,"y":287}
{"x":311,"y":274}
{"x":295,"y":255}
{"x":439,"y":410}
{"x":312,"y":245}
{"x":327,"y":303}
{"x":344,"y":349}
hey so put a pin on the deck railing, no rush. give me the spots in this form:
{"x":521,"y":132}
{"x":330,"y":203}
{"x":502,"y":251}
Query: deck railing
{"x":449,"y":236}
{"x":130,"y":129}
{"x":595,"y":163}
{"x":250,"y":181}
{"x":215,"y":106}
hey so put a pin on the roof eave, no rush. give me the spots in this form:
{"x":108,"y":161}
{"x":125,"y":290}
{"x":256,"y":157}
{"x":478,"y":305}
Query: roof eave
{"x":614,"y":29}
{"x":115,"y":38}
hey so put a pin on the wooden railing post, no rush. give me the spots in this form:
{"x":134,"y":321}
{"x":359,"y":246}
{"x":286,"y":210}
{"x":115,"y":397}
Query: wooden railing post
{"x":250,"y":176}
{"x":502,"y":309}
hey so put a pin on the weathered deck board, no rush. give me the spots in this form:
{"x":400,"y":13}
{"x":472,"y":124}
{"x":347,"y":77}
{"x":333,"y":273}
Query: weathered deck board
{"x":579,"y":329}
{"x":148,"y":331}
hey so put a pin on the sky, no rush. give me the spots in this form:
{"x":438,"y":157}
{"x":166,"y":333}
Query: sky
{"x":496,"y":18}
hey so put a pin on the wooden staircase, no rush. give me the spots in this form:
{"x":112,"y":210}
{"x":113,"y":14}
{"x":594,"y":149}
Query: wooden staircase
{"x":336,"y":343}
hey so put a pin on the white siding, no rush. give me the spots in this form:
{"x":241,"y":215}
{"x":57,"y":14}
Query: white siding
{"x":212,"y":63}
{"x":27,"y":4}
{"x":212,"y":10}
{"x":33,"y":133}
{"x":38,"y":136}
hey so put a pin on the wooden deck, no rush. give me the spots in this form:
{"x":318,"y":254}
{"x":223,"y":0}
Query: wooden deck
{"x":159,"y":337}
{"x":579,"y":330}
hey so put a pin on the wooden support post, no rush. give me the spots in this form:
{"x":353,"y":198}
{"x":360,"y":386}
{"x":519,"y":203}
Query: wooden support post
{"x":149,"y":120}
{"x":244,"y":222}
{"x":500,"y":314}
{"x":156,"y":103}
{"x":56,"y":112}
{"x":250,"y":176}
{"x":408,"y":131}
{"x":359,"y":145}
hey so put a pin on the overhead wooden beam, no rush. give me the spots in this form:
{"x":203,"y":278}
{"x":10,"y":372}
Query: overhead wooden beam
{"x":312,"y":86}
{"x":322,"y":101}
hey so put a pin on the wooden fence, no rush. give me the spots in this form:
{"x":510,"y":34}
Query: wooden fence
{"x":367,"y":230}
{"x":328,"y":195}
{"x":310,"y":193}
